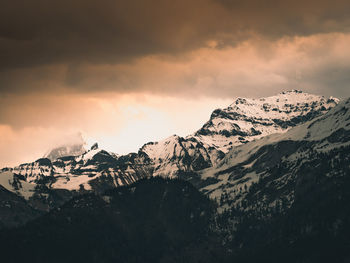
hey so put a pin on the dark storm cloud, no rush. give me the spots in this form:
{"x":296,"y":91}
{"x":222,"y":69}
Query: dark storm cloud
{"x":276,"y":18}
{"x":90,"y":65}
{"x":43,"y":41}
{"x":107,"y":31}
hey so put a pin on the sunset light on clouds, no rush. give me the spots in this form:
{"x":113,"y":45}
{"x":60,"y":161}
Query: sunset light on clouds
{"x":125,"y":73}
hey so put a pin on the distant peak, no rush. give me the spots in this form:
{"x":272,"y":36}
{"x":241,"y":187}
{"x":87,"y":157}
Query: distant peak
{"x":294,"y":91}
{"x":240,"y":100}
{"x":73,"y":145}
{"x":94,"y":146}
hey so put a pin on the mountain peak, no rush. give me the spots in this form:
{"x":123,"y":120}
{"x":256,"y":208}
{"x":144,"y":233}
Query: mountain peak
{"x":292,"y":91}
{"x":94,"y":146}
{"x":290,"y":96}
{"x":248,"y":119}
{"x":73,"y":145}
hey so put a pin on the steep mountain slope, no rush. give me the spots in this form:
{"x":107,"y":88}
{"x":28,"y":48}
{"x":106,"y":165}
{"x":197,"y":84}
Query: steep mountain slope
{"x":284,"y":198}
{"x":79,"y":172}
{"x":281,"y":198}
{"x":298,"y":209}
{"x":47,"y":184}
{"x":314,"y":228}
{"x":41,"y":182}
{"x":154,"y":220}
{"x":14,"y":210}
{"x":38,"y":196}
{"x":176,"y":156}
{"x":15,"y":184}
{"x":243,"y":121}
{"x":275,"y":164}
{"x":249,"y":119}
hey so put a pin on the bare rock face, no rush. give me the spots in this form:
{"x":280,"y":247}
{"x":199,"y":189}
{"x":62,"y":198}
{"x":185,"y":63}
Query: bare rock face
{"x":200,"y":158}
{"x":243,"y":121}
{"x":250,"y":119}
{"x":276,"y":169}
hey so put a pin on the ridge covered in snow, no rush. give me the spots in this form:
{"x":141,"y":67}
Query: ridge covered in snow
{"x":243,"y":121}
{"x":323,"y":139}
{"x":249,"y":119}
{"x":74,"y":168}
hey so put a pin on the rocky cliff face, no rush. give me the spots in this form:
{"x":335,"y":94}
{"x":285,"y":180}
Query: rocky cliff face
{"x":280,"y":198}
{"x":250,"y":119}
{"x":274,"y":169}
{"x":46,"y":182}
{"x":243,"y":121}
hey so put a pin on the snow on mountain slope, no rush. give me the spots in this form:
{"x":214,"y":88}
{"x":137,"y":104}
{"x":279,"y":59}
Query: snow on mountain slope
{"x":243,"y":121}
{"x":93,"y":170}
{"x":176,"y":155}
{"x":257,"y":160}
{"x":13,"y":184}
{"x":249,"y":119}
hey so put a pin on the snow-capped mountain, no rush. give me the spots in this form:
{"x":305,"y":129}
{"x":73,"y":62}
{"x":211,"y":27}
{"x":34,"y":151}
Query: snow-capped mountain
{"x":41,"y":182}
{"x":80,"y":172}
{"x":243,"y":121}
{"x":176,"y":156}
{"x":250,"y":119}
{"x":281,"y":192}
{"x":276,"y":165}
{"x":73,"y":146}
{"x":96,"y":170}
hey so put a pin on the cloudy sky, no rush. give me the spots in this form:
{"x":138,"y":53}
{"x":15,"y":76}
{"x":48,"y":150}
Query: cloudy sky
{"x":128,"y":72}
